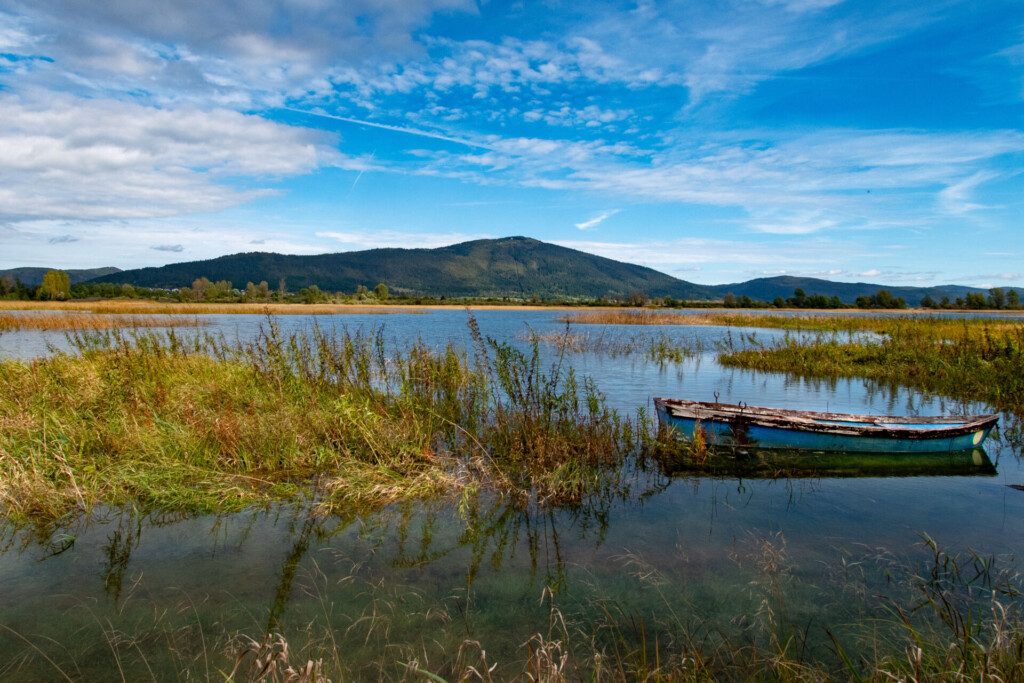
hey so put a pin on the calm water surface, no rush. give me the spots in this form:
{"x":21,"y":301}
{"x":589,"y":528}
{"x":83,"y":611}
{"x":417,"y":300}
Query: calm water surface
{"x":422,"y":579}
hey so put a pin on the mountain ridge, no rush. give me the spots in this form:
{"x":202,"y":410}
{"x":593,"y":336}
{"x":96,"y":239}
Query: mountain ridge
{"x":512,"y":267}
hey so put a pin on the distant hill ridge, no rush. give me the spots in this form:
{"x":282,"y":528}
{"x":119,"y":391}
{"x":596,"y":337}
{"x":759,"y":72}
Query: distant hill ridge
{"x":515,"y":267}
{"x":34,"y":276}
{"x":767,"y":288}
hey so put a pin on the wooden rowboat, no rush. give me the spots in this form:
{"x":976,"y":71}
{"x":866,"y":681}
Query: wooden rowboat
{"x":753,"y":427}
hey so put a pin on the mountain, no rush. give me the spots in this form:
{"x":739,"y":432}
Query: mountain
{"x":517,"y":267}
{"x":34,"y":276}
{"x":511,"y":266}
{"x":767,"y":288}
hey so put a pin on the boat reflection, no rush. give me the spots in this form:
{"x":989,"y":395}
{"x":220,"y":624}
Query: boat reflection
{"x":776,"y":464}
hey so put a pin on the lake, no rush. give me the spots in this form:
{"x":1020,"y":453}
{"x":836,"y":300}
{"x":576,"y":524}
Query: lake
{"x":120,"y":593}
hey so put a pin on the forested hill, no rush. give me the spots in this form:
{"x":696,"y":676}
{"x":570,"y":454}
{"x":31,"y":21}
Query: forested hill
{"x":34,"y":276}
{"x":516,"y":267}
{"x":513,"y":266}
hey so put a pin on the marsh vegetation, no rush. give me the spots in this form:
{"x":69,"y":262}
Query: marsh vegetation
{"x":966,"y":359}
{"x":496,"y":464}
{"x":200,"y":423}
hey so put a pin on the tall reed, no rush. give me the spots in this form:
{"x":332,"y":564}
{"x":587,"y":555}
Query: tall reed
{"x":197,"y":422}
{"x":969,"y":360}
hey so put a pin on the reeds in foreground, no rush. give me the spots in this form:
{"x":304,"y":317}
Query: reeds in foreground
{"x":198,"y":423}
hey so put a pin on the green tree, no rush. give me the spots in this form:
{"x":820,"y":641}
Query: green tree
{"x":975,"y":300}
{"x":927,"y":302}
{"x":381,"y":291}
{"x":1013,"y":299}
{"x":56,"y":285}
{"x":997,"y":297}
{"x":312,"y":295}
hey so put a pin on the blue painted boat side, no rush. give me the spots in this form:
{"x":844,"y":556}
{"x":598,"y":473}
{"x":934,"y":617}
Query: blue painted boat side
{"x":759,"y":436}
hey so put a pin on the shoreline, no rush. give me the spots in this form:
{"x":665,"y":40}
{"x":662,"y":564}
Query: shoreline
{"x":275,"y":308}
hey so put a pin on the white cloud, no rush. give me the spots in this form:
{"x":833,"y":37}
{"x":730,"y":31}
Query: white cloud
{"x":596,"y":220}
{"x":246,"y":52}
{"x":787,"y":183}
{"x":956,"y":198}
{"x":144,"y":242}
{"x":373,"y":239}
{"x":63,"y":157}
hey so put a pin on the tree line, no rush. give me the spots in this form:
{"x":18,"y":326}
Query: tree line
{"x":56,"y":286}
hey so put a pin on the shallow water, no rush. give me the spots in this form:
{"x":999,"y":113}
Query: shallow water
{"x":124,"y":590}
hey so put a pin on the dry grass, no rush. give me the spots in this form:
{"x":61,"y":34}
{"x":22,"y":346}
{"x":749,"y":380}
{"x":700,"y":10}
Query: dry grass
{"x":157,"y":307}
{"x":633,"y":316}
{"x":10,"y":322}
{"x":940,"y":327}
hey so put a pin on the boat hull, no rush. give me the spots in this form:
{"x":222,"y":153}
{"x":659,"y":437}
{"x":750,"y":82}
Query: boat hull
{"x":741,"y":430}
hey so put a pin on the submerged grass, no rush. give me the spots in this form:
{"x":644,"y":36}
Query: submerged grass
{"x":966,"y":359}
{"x":934,"y":615}
{"x":200,"y":423}
{"x":75,"y":321}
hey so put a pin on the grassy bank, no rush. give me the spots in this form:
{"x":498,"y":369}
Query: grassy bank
{"x":966,"y":359}
{"x":203,"y":424}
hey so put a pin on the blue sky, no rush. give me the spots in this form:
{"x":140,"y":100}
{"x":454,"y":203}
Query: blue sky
{"x":714,"y":141}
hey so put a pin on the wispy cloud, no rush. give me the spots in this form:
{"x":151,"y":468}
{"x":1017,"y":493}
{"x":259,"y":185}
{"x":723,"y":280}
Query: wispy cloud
{"x":957,"y":197}
{"x":174,"y":248}
{"x":397,"y":238}
{"x":596,"y":220}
